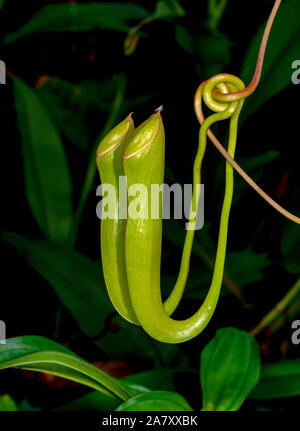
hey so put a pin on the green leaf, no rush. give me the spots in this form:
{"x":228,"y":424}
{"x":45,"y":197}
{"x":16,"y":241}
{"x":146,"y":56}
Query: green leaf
{"x":245,"y":266}
{"x":184,"y":39}
{"x":230,"y":367}
{"x":282,"y":49}
{"x":156,"y":401}
{"x":7,"y":404}
{"x":77,"y":280}
{"x":44,"y":355}
{"x":93,"y":401}
{"x":21,"y":346}
{"x":168,"y":9}
{"x":97,"y":401}
{"x":47,"y":178}
{"x":1,"y":4}
{"x":80,"y":17}
{"x":278,"y":380}
{"x":159,"y":379}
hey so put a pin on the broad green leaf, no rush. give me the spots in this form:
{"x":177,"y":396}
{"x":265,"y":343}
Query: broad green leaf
{"x":230,"y":367}
{"x":133,"y":387}
{"x":93,"y":401}
{"x":77,"y":280}
{"x":80,"y":17}
{"x":159,"y":379}
{"x":97,"y":401}
{"x":282,"y":49}
{"x":245,"y":266}
{"x":156,"y":401}
{"x":21,"y":346}
{"x":43,"y":355}
{"x":1,"y":4}
{"x":7,"y":404}
{"x":47,"y":179}
{"x":278,"y":380}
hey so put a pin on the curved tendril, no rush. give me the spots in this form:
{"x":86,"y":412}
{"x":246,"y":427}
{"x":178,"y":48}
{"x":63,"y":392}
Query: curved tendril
{"x":222,"y":97}
{"x":222,"y":111}
{"x":146,"y":299}
{"x":231,"y":97}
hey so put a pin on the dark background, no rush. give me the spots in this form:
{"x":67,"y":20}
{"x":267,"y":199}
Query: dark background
{"x":169,"y":75}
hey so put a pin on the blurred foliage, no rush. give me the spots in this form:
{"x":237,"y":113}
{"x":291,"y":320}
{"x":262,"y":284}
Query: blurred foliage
{"x":76,"y":279}
{"x":7,"y":404}
{"x":278,"y":380}
{"x":76,"y":69}
{"x":43,"y":151}
{"x":79,"y":17}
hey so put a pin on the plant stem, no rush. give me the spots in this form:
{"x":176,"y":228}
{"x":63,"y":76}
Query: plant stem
{"x":278,"y":309}
{"x":232,"y":97}
{"x":91,"y":169}
{"x":292,"y":311}
{"x":216,"y":9}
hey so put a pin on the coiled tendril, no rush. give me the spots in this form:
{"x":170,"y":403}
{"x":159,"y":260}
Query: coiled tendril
{"x":215,"y":94}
